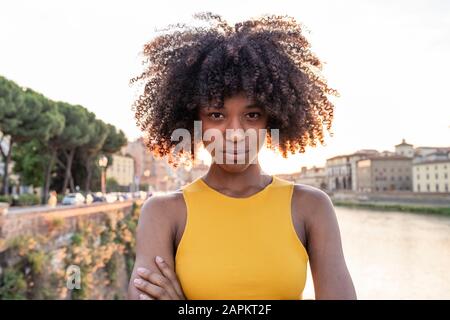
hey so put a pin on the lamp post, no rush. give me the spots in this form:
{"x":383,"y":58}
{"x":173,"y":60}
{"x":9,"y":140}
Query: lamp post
{"x":103,"y":162}
{"x":147,"y":175}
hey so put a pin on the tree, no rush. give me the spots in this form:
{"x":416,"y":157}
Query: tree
{"x":112,"y":185}
{"x":30,"y":162}
{"x":89,"y":152}
{"x":115,"y":140}
{"x":25,"y":115}
{"x":50,"y":146}
{"x":76,"y":133}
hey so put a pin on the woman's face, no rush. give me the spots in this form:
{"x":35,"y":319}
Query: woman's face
{"x":236,"y":130}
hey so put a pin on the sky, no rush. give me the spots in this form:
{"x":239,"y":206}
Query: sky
{"x":388,"y":60}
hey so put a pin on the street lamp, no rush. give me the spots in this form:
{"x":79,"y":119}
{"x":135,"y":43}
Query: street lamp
{"x":103,"y":162}
{"x":147,"y":175}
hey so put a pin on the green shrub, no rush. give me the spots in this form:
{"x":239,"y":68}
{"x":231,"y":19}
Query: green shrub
{"x":77,"y":239}
{"x":27,"y":199}
{"x":13,"y":285}
{"x":7,"y":199}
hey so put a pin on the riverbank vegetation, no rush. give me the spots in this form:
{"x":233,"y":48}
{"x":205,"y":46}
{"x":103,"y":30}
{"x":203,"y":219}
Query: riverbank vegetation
{"x":395,"y":207}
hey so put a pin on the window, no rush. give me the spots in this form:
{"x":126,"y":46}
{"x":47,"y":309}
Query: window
{"x":418,"y":177}
{"x":436,"y":175}
{"x":445,"y":175}
{"x":428,"y":187}
{"x":446,"y":187}
{"x":418,"y":187}
{"x":437,"y":187}
{"x":428,"y":176}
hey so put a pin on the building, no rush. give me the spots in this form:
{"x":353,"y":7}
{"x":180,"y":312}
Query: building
{"x":151,"y":172}
{"x":404,"y":149}
{"x":425,"y":151}
{"x":341,"y":170}
{"x":156,"y":173}
{"x":122,"y":170}
{"x":431,"y":171}
{"x":314,"y":176}
{"x":339,"y":175}
{"x":384,"y":173}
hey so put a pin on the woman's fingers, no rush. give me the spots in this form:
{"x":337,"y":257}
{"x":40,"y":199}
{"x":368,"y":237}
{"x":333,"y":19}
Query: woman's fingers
{"x":158,"y":280}
{"x":143,"y":296}
{"x":167,"y":271}
{"x":151,"y":289}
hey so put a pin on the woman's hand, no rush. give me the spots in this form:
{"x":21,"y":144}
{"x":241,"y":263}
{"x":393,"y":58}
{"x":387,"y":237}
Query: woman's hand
{"x":156,"y":286}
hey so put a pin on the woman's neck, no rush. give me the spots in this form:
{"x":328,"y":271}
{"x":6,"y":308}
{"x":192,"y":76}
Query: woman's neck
{"x":251,"y":180}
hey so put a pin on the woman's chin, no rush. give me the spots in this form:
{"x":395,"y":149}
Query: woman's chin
{"x":235,"y":164}
{"x":234,"y":168}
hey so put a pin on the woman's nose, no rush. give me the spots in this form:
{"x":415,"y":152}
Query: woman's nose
{"x":235,"y":131}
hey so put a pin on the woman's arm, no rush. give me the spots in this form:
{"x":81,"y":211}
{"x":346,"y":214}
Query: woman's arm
{"x":154,"y":237}
{"x":331,"y":277}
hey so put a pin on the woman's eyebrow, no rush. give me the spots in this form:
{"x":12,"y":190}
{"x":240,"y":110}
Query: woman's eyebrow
{"x":253,"y":105}
{"x":249,"y":106}
{"x":207,"y":108}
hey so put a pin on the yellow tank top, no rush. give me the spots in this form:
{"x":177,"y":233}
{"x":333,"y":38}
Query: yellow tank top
{"x":240,"y":248}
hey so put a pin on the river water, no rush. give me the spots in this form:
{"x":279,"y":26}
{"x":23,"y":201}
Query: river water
{"x":394,"y":255}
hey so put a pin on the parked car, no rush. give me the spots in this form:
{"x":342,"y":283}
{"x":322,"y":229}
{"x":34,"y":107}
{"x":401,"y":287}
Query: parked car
{"x":120,"y":197}
{"x":89,"y":198}
{"x":110,"y":198}
{"x":73,"y":199}
{"x":98,"y":197}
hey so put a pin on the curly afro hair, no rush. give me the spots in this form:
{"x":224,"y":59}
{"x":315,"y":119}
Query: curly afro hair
{"x":266,"y":58}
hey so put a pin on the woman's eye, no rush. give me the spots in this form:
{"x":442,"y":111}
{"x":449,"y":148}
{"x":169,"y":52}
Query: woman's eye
{"x":253,"y":115}
{"x":216,"y":115}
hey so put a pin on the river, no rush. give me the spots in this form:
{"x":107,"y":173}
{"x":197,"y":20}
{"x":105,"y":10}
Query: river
{"x":394,"y":255}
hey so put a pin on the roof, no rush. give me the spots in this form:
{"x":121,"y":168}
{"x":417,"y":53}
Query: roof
{"x":403,"y":144}
{"x":431,"y":161}
{"x":393,"y":157}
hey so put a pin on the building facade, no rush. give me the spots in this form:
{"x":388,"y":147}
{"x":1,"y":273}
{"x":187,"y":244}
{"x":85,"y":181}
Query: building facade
{"x":431,"y":172}
{"x":122,"y":170}
{"x":156,"y":173}
{"x":404,"y":149}
{"x":314,"y":176}
{"x":384,"y":173}
{"x":341,"y":170}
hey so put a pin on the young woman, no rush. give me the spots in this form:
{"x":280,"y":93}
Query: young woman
{"x":236,"y":232}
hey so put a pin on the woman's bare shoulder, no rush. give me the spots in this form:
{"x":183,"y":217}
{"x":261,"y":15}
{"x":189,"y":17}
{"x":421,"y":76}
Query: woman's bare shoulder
{"x":311,"y":202}
{"x":163,"y":206}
